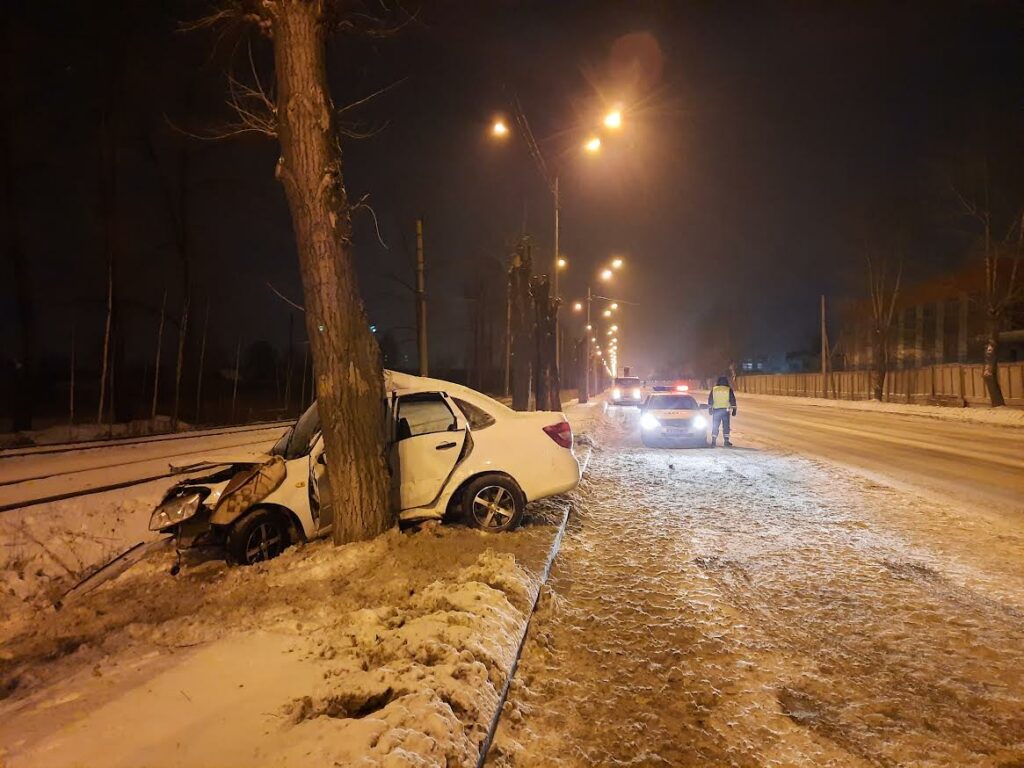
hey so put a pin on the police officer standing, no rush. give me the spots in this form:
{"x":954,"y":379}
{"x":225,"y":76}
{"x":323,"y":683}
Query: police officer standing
{"x":721,"y":401}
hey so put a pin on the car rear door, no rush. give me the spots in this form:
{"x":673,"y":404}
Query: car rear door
{"x":430,"y":437}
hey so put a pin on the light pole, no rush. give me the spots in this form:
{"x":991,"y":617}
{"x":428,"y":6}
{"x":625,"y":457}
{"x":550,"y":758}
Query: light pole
{"x":589,"y":337}
{"x":612,"y":121}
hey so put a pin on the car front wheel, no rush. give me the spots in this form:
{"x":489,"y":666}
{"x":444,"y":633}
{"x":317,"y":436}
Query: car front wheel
{"x":493,"y":503}
{"x":260,"y":535}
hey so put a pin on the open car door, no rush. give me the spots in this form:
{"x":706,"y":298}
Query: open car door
{"x":430,"y":440}
{"x":321,"y":500}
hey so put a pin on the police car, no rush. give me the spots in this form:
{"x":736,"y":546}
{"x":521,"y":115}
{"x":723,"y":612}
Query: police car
{"x":672,"y":417}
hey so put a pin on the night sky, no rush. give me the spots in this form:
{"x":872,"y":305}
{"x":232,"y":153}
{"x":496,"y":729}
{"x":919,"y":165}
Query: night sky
{"x":759,"y":138}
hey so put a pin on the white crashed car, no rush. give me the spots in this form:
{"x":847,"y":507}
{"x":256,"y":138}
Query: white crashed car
{"x":451,"y":450}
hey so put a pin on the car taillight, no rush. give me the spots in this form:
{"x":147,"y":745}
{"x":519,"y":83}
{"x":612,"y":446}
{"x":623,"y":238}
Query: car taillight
{"x":561,"y":433}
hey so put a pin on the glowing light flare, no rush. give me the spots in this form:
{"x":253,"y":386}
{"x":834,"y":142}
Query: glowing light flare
{"x":617,"y":263}
{"x":606,"y":274}
{"x":562,"y":263}
{"x":607,"y":313}
{"x":592,"y":145}
{"x":578,"y":307}
{"x":615,"y":305}
{"x":613,"y":120}
{"x":499,"y":128}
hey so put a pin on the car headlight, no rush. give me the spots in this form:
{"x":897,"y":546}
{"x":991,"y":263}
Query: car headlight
{"x":699,"y":422}
{"x":648,"y":421}
{"x":616,"y":394}
{"x":636,"y":393}
{"x":174,"y":510}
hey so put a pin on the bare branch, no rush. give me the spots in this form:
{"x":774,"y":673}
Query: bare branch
{"x":284,"y":298}
{"x":362,"y":203}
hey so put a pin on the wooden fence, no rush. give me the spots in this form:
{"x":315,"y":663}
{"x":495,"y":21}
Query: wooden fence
{"x":949,"y":384}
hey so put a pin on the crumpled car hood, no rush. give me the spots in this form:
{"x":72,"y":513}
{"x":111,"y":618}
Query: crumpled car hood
{"x":219,"y":459}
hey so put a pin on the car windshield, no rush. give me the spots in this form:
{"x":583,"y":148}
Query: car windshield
{"x":627,"y":381}
{"x":299,"y":439}
{"x":672,"y":403}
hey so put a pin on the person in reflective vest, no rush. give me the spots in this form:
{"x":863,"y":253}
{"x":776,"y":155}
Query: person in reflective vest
{"x":721,"y":402}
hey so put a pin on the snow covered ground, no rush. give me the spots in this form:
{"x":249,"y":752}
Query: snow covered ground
{"x":754,"y":607}
{"x":46,"y":548}
{"x":389,"y":652}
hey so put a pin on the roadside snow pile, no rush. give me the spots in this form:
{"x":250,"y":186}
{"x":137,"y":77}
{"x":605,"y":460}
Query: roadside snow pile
{"x":382,"y":653}
{"x":64,"y":433}
{"x":47,"y":548}
{"x":1007,"y":416}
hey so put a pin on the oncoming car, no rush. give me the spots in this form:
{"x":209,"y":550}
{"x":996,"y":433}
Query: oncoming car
{"x":627,"y":390}
{"x":451,"y":450}
{"x":672,"y":418}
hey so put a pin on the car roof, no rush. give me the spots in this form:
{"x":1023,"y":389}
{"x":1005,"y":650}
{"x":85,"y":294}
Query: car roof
{"x":407,"y":383}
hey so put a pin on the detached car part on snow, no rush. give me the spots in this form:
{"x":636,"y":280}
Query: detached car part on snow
{"x":451,"y":448}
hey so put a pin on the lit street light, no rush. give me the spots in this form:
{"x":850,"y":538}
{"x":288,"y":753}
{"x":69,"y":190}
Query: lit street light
{"x":577,"y":307}
{"x":613,"y":120}
{"x":607,"y":313}
{"x":606,"y":275}
{"x":499,"y":129}
{"x":562,"y":263}
{"x":592,"y":145}
{"x":617,"y":263}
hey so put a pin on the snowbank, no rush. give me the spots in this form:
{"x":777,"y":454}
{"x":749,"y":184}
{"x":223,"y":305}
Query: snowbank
{"x":65,"y":433}
{"x":387,"y":652}
{"x":1013,"y":417}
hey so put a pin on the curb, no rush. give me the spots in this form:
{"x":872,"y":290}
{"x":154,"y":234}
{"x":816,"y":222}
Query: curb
{"x":485,"y":745}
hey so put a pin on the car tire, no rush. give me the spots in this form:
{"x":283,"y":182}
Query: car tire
{"x":493,"y":503}
{"x":260,"y":534}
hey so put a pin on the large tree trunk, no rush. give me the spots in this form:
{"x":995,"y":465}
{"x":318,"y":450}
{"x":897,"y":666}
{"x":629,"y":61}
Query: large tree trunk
{"x":346,"y":359}
{"x":521,"y":328}
{"x":990,"y":369}
{"x":545,"y":370}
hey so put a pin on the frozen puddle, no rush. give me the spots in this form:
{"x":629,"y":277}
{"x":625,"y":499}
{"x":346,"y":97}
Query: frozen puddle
{"x":747,"y":608}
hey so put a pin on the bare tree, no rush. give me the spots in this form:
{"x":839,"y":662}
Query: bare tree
{"x":545,"y":370}
{"x":1000,"y":253}
{"x":521,"y":325}
{"x":883,"y":291}
{"x":346,"y":358}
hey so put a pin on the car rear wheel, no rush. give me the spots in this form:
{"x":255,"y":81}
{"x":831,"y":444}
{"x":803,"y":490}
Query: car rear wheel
{"x":260,"y":535}
{"x":493,"y":503}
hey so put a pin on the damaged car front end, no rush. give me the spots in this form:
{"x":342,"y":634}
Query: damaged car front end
{"x":222,"y":509}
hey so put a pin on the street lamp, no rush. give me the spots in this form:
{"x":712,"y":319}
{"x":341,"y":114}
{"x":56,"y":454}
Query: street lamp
{"x":499,"y":128}
{"x":613,"y":120}
{"x":617,"y":263}
{"x":562,"y":263}
{"x":606,"y":275}
{"x":592,"y":145}
{"x":607,"y":313}
{"x":577,"y":307}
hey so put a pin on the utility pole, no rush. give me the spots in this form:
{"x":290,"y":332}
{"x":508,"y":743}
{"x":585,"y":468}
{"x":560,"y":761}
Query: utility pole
{"x":824,"y":341}
{"x":421,"y":301}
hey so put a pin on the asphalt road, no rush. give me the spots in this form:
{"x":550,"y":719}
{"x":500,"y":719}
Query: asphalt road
{"x":964,"y":461}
